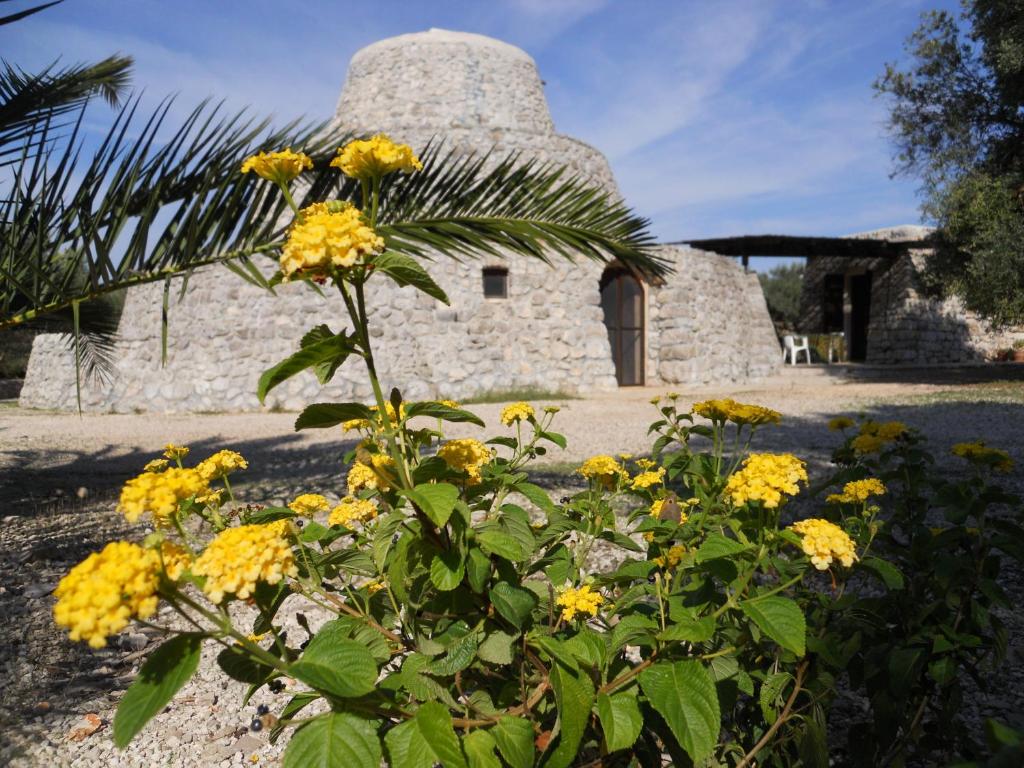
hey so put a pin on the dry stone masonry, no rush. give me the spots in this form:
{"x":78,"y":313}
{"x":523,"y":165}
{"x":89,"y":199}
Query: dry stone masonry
{"x":705,"y":323}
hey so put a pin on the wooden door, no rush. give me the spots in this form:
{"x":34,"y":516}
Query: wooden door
{"x":622,"y":301}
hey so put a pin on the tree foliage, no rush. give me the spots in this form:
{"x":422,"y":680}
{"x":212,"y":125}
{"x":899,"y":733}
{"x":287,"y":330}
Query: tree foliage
{"x":957,"y":121}
{"x":781,"y":285}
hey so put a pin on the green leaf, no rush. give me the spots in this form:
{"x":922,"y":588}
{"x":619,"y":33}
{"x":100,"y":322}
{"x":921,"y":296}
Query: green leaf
{"x":771,"y":690}
{"x":781,"y":619}
{"x":478,"y":569}
{"x":513,"y":603}
{"x":334,"y":740}
{"x":588,"y":647}
{"x":435,"y":500}
{"x":497,"y":648}
{"x":574,"y":696}
{"x":447,"y":570}
{"x":438,"y":411}
{"x":336,"y":665}
{"x":459,"y":656}
{"x":716,"y":545}
{"x":479,"y":746}
{"x":535,"y":494}
{"x":495,"y":542}
{"x":684,"y":694}
{"x":321,"y":415}
{"x":406,"y":271}
{"x":689,"y":630}
{"x":329,"y":350}
{"x":435,"y":723}
{"x":407,"y":748}
{"x":514,"y":737}
{"x":621,"y":720}
{"x":239,"y":665}
{"x":167,"y":669}
{"x":555,"y":438}
{"x":886,"y":571}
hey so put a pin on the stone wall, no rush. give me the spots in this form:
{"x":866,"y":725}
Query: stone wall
{"x":479,"y":95}
{"x":905,"y":326}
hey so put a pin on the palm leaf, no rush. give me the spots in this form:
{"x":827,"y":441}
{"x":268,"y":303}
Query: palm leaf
{"x":19,"y":15}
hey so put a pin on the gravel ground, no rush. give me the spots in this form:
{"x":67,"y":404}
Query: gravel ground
{"x":60,"y":473}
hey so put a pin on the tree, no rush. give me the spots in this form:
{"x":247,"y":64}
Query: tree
{"x":957,"y":121}
{"x":144,"y":208}
{"x":781,"y":285}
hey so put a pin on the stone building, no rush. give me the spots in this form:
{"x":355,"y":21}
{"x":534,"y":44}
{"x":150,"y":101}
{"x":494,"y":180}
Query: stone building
{"x":878,"y":304}
{"x":513,"y":322}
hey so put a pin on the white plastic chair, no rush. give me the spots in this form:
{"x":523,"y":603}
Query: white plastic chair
{"x":791,"y":349}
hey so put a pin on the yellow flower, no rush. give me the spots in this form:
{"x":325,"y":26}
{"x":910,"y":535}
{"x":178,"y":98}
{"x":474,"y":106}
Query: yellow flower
{"x":378,"y":423}
{"x":221,"y":464}
{"x":516,"y":412}
{"x":373,"y":158}
{"x":822,"y":541}
{"x":867,"y":444}
{"x":213,"y":498}
{"x":858,"y":491}
{"x":647,"y":479}
{"x":727,"y":409}
{"x":328,"y":236}
{"x":156,"y":465}
{"x":175,"y":558}
{"x":252,"y":637}
{"x":979,"y":453}
{"x":840,"y":423}
{"x":765,"y":477}
{"x":280,"y":167}
{"x":309,"y":504}
{"x":352,"y":510}
{"x":887,"y":431}
{"x":603,"y":470}
{"x":465,"y":455}
{"x":578,"y":602}
{"x":175,"y":452}
{"x":100,"y":595}
{"x":373,"y":476}
{"x":159,"y":493}
{"x":238,"y":558}
{"x":375,"y":586}
{"x":644,"y":464}
{"x":672,"y":558}
{"x":448,"y":403}
{"x":625,"y":456}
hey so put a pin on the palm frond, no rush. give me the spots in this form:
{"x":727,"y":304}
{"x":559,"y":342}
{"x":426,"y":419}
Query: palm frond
{"x":19,"y":15}
{"x":468,"y":205}
{"x":139,"y":209}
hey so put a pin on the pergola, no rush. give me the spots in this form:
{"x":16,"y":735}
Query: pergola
{"x":746,"y":246}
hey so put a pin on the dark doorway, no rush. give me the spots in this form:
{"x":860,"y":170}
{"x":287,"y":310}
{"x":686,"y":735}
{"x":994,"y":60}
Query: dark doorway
{"x":622,"y":300}
{"x":860,"y":315}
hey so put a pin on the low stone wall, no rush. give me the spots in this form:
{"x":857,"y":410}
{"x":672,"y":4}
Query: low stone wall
{"x":709,"y":322}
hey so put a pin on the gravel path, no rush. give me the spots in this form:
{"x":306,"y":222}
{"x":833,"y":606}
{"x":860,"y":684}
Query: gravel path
{"x":60,"y":473}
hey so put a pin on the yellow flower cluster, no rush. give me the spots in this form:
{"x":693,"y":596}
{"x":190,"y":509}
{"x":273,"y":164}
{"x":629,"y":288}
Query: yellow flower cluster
{"x":873,"y":435}
{"x":352,"y":510}
{"x":325,"y":236}
{"x":582,"y":601}
{"x":100,"y":595}
{"x":603,"y":470}
{"x":465,"y":455}
{"x":858,"y":491}
{"x":175,"y":452}
{"x":309,"y":504}
{"x":649,"y":478}
{"x":765,"y":477}
{"x":372,"y":476}
{"x":824,"y":541}
{"x":979,"y":453}
{"x":175,"y":558}
{"x":238,"y":558}
{"x":280,"y":167}
{"x":727,"y":409}
{"x":156,"y":465}
{"x":672,"y":558}
{"x":510,"y":414}
{"x":373,"y":158}
{"x":839,"y":423}
{"x":448,"y":403}
{"x":356,"y":424}
{"x":159,"y":493}
{"x":221,"y":464}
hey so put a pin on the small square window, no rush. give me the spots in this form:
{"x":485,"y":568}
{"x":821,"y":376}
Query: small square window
{"x":495,"y":283}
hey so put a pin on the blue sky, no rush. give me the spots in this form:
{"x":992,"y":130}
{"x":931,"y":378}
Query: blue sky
{"x":719,"y":118}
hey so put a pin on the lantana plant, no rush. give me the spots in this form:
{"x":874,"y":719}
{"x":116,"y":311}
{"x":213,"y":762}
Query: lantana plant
{"x":453,"y":611}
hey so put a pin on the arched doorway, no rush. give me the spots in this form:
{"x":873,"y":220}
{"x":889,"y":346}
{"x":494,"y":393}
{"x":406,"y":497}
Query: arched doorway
{"x":622,"y":301}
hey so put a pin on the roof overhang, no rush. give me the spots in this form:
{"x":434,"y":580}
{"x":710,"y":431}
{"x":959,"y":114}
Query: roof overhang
{"x":799,"y":245}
